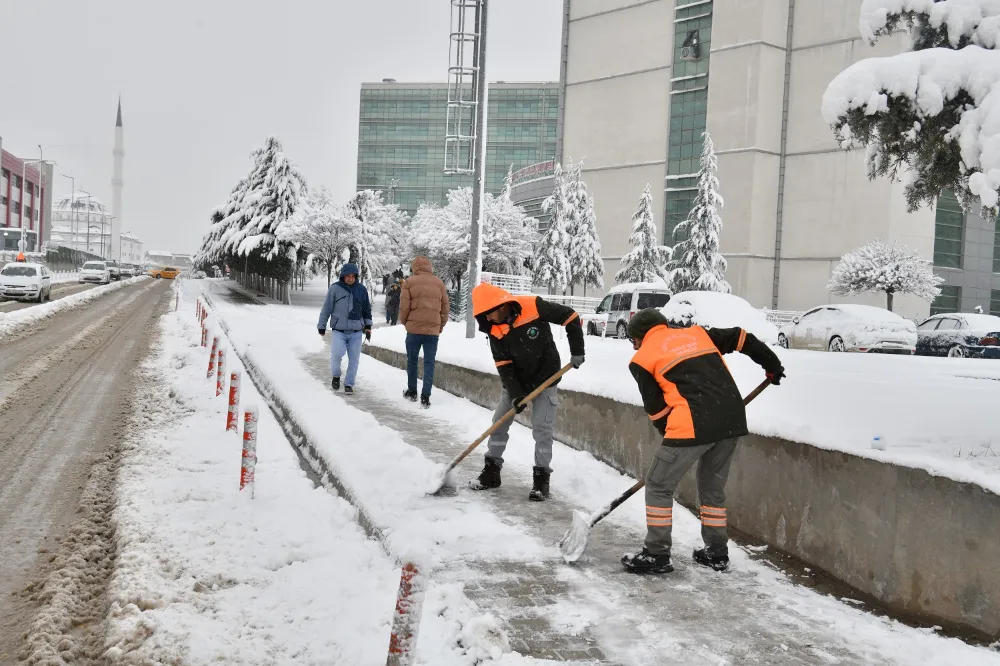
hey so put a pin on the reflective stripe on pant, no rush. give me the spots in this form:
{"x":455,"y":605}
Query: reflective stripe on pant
{"x":345,"y":342}
{"x":669,"y":465}
{"x":543,"y":426}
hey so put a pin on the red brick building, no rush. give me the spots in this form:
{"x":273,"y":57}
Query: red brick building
{"x":23,"y":204}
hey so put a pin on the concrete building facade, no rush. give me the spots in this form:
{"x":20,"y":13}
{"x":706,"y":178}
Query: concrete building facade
{"x":642,"y":79}
{"x":401,"y":134}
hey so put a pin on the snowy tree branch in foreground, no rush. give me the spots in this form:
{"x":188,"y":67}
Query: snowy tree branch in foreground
{"x":885,"y":267}
{"x":935,"y":111}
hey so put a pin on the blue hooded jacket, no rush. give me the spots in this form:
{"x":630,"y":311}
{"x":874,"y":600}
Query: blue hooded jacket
{"x":347,"y":307}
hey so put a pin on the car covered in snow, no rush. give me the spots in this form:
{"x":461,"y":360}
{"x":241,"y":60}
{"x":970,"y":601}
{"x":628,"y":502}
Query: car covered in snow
{"x":95,"y":271}
{"x":854,"y":328}
{"x":711,"y":309}
{"x":623,"y":301}
{"x":958,"y":335}
{"x":25,"y":282}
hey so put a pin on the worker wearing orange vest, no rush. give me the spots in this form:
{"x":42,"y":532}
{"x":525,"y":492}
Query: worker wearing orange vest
{"x":693,"y":401}
{"x":21,"y":258}
{"x":525,"y":355}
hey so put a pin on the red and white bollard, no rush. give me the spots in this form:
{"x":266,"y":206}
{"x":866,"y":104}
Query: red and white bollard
{"x":177,"y":301}
{"x":211,"y":357}
{"x":220,"y":377}
{"x":234,"y":402}
{"x":204,"y":335}
{"x":406,"y":619}
{"x":249,"y":465}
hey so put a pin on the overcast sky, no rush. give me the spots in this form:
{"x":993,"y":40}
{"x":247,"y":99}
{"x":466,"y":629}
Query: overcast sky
{"x":204,"y":82}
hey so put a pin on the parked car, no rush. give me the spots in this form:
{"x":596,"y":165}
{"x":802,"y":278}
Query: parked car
{"x":95,"y":271}
{"x":623,"y":301}
{"x":199,"y":275}
{"x":165,"y":272}
{"x":114,"y":268}
{"x":129,"y":270}
{"x":25,"y":282}
{"x":855,"y":328}
{"x":959,"y":335}
{"x":711,"y":309}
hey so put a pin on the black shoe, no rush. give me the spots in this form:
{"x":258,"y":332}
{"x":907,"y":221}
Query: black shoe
{"x":410,"y":395}
{"x":489,"y":477}
{"x":645,"y":562}
{"x":425,"y":401}
{"x":540,"y":484}
{"x":706,"y":559}
{"x":348,"y":390}
{"x":335,"y":383}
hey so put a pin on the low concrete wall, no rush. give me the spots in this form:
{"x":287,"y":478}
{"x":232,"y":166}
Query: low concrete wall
{"x":927,"y":547}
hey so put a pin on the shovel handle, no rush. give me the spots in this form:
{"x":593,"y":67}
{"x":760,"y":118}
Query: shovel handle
{"x":509,"y":415}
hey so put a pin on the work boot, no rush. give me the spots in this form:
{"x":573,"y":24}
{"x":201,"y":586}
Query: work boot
{"x":425,"y":401}
{"x":540,"y":484}
{"x":489,"y":477}
{"x":335,"y":383}
{"x":645,"y":562}
{"x":718,"y":561}
{"x":348,"y":390}
{"x":410,"y":395}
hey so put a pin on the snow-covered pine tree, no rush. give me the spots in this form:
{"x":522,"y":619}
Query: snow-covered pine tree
{"x":644,"y":262}
{"x":552,"y":267}
{"x":886,"y":267}
{"x":696,"y":264}
{"x":586,"y":265}
{"x":930,"y":113}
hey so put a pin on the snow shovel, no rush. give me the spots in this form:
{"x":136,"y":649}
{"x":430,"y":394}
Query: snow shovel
{"x":574,"y":542}
{"x":445,"y":485}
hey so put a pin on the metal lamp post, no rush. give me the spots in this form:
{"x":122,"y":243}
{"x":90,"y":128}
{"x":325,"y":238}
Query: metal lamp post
{"x":72,"y":219}
{"x":35,"y":208}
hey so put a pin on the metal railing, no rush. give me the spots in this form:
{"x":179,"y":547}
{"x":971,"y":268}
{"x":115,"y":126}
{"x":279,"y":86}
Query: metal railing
{"x":515,"y":284}
{"x":780,"y":317}
{"x":582,"y":304}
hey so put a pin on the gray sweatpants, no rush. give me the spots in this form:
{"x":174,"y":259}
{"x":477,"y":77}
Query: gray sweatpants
{"x":670,"y":464}
{"x":543,"y":425}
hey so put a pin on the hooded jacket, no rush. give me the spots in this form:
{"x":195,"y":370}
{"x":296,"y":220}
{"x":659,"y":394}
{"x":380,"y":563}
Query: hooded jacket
{"x":686,"y":387}
{"x":347,"y":307}
{"x":523,"y":348}
{"x":423,"y":301}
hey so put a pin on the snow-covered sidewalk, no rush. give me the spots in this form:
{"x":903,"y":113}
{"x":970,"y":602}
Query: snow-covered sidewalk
{"x":501,"y":548}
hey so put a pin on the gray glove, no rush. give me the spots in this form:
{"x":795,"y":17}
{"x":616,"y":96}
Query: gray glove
{"x":576,"y":361}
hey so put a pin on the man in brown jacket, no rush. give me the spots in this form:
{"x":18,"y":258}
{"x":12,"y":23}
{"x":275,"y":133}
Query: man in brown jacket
{"x":423,"y":310}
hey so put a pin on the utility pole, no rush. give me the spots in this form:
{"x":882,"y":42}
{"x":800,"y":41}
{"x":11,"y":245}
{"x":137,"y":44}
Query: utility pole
{"x":479,"y":177}
{"x":72,"y":219}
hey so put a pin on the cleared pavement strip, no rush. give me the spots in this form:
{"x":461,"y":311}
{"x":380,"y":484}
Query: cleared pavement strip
{"x":58,"y":291}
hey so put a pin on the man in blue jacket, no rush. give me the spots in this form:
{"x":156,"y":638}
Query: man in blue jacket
{"x":349,"y":311}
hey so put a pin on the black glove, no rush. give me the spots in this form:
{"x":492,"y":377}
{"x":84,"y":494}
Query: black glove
{"x":322,"y":331}
{"x":576,"y":361}
{"x":368,"y":334}
{"x":776,"y":375}
{"x":519,"y":404}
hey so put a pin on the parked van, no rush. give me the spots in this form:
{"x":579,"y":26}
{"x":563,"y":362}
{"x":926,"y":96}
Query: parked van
{"x":622,"y":302}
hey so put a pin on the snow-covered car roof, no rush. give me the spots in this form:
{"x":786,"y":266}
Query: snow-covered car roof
{"x":976,"y":322}
{"x":631,"y":286}
{"x":867,"y":312}
{"x":711,"y":309}
{"x":22,"y":263}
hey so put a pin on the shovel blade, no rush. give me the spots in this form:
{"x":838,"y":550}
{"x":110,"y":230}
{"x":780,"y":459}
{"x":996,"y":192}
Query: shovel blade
{"x":444,"y":486}
{"x":574,"y":542}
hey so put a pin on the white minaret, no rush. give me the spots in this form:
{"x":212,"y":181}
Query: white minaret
{"x":116,"y":188}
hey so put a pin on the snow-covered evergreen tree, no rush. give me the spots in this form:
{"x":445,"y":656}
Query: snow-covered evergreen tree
{"x":886,"y":267}
{"x":586,"y":265}
{"x":644,"y":262}
{"x":933,"y":113}
{"x":696,"y":264}
{"x":322,"y":229}
{"x":552,"y":267}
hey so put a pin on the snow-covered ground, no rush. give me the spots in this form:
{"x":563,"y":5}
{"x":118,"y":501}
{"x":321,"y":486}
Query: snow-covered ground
{"x":639,"y":624}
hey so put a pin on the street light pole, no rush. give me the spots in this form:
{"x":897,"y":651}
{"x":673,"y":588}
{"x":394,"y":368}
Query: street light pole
{"x":72,"y":219}
{"x":88,"y":219}
{"x":34,"y":202}
{"x":479,"y":180}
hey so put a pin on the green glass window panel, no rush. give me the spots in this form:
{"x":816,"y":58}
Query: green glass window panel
{"x":949,"y":300}
{"x":996,"y":248}
{"x":678,"y":205}
{"x":949,"y":231}
{"x":995,"y":302}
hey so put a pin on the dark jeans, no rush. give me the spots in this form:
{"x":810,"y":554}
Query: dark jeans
{"x":413,"y":344}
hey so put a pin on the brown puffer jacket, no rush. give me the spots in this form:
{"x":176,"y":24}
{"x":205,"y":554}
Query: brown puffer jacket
{"x":423,"y":305}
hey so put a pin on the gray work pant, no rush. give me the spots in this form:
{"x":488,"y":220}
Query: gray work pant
{"x":543,"y":425}
{"x":669,"y":465}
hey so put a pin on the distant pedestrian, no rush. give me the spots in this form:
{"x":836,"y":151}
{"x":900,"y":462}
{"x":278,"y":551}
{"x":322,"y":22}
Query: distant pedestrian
{"x":423,"y":310}
{"x":392,"y":304}
{"x":349,"y":312}
{"x":398,"y":274}
{"x":385,"y":283}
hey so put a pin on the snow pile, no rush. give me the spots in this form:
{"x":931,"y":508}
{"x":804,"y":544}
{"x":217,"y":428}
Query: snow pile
{"x":11,"y":322}
{"x":978,"y":20}
{"x":711,"y":309}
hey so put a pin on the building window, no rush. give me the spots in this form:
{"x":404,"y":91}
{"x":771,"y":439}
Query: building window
{"x":949,"y":231}
{"x":950,"y":300}
{"x":996,"y":247}
{"x":995,"y":302}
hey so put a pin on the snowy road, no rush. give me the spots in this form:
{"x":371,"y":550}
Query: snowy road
{"x":65,"y":388}
{"x":58,"y":291}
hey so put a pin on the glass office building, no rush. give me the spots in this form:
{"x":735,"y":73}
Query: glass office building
{"x":401,"y":132}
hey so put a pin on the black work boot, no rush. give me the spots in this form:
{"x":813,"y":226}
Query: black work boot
{"x":425,"y":401}
{"x":348,"y":390}
{"x":645,"y":562}
{"x":540,"y":484}
{"x":410,"y":395}
{"x":717,"y":561}
{"x":489,"y":477}
{"x":335,"y":383}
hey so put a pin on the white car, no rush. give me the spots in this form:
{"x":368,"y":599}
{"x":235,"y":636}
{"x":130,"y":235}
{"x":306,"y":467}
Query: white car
{"x":855,"y":328}
{"x":623,"y":301}
{"x":95,"y":271}
{"x":26,"y":282}
{"x":711,"y":309}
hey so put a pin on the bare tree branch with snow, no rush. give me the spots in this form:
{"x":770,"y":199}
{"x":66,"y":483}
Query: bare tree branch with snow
{"x":886,"y":267}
